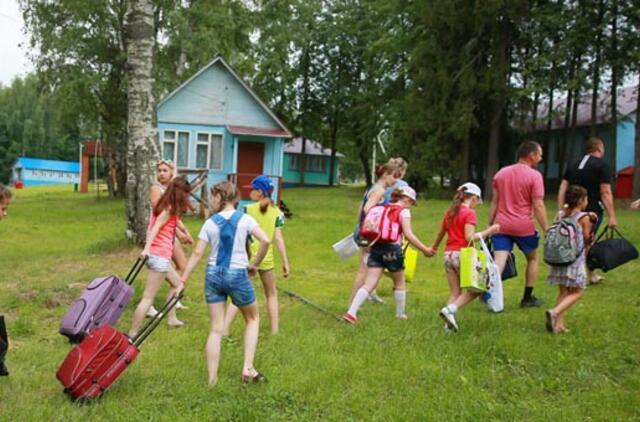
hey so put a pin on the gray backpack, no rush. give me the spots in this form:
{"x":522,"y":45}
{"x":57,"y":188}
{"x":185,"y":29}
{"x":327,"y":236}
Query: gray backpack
{"x":561,"y":244}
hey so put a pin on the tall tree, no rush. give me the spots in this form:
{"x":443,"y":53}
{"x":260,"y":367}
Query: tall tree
{"x":142,"y":150}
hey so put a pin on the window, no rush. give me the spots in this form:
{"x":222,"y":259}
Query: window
{"x":169,"y":145}
{"x":217,"y":152}
{"x":183,"y":149}
{"x":209,"y":151}
{"x":294,"y":162}
{"x":202,"y":151}
{"x":314,"y":163}
{"x":175,"y":147}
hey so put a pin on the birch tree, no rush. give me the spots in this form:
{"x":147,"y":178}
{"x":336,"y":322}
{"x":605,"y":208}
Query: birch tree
{"x":142,"y":146}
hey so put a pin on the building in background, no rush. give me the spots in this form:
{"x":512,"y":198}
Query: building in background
{"x":318,"y":164}
{"x":38,"y":172}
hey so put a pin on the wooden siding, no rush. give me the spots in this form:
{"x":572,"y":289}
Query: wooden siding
{"x":292,"y":177}
{"x":215,"y":98}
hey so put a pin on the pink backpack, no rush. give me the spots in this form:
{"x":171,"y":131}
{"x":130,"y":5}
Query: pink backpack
{"x":382,"y":224}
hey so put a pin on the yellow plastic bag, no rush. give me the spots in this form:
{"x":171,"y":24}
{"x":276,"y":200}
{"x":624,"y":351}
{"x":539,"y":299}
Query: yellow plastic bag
{"x":473,"y":269}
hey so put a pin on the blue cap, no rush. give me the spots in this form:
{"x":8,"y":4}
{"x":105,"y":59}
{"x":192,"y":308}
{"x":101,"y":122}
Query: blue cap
{"x":262,"y":183}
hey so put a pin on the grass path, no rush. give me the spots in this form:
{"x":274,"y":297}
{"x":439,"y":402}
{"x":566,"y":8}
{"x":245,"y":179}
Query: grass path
{"x":499,"y":367}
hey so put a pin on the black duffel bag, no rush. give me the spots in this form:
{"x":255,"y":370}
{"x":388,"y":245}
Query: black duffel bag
{"x":610,"y":252}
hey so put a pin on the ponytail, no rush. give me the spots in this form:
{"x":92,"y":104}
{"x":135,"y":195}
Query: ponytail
{"x":454,"y":209}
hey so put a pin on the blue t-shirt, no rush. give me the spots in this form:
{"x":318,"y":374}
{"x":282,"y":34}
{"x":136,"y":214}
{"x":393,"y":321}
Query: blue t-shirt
{"x":387,"y":193}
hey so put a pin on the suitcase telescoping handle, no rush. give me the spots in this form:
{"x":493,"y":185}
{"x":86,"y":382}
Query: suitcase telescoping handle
{"x":135,"y":270}
{"x":153,"y":322}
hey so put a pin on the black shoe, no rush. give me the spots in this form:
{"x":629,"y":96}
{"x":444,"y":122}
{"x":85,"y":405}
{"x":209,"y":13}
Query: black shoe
{"x":532,"y":302}
{"x":3,"y":370}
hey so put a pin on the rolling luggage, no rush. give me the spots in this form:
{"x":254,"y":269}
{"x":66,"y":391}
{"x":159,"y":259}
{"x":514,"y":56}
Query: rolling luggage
{"x":97,"y":362}
{"x":610,"y":253}
{"x":102,"y":302}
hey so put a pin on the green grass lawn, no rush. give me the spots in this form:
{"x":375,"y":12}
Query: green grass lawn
{"x":499,"y":367}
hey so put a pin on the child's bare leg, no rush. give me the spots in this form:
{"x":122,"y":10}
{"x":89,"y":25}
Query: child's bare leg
{"x":179,"y":257}
{"x":573,"y":295}
{"x":229,"y":316}
{"x":176,"y":287}
{"x":269,"y":283}
{"x":216,"y":316}
{"x":154,"y":280}
{"x":360,"y":275}
{"x":464,"y":298}
{"x":252,"y":320}
{"x":454,"y":285}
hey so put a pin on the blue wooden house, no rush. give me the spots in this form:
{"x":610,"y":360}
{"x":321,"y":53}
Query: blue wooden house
{"x":317,"y":163}
{"x":38,"y":172}
{"x":625,"y":134}
{"x":215,"y":122}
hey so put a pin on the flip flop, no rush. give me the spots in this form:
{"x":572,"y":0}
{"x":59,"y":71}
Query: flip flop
{"x":257,"y":378}
{"x":551,"y":320}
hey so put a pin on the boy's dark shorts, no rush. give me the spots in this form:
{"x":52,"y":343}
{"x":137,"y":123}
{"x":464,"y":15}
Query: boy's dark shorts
{"x":386,"y":255}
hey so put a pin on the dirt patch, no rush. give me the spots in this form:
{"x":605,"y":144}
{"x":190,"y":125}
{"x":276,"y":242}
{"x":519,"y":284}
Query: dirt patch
{"x":28,"y":295}
{"x":79,"y":286}
{"x":51,"y":303}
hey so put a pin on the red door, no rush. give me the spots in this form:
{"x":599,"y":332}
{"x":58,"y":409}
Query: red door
{"x":250,"y":160}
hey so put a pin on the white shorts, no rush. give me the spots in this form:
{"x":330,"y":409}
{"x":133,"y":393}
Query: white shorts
{"x":159,"y":264}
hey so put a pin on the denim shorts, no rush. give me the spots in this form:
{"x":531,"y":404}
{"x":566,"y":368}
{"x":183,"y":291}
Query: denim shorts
{"x":158,"y":263}
{"x":386,"y":255}
{"x":504,"y":242}
{"x":221,"y":282}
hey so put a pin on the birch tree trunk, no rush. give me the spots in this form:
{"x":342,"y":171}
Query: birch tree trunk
{"x":142,"y":147}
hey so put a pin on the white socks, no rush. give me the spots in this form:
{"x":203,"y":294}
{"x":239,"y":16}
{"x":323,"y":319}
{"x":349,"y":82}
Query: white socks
{"x":360,"y":297}
{"x":401,"y":300}
{"x":453,"y":308}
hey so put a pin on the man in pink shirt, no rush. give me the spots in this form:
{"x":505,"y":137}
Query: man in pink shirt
{"x":518,"y":196}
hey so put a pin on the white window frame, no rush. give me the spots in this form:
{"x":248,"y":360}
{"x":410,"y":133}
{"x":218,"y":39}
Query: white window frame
{"x":176,"y":144}
{"x":209,"y":144}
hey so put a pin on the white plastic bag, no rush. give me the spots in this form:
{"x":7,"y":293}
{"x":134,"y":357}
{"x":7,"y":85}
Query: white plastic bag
{"x":346,"y":247}
{"x":494,"y":297}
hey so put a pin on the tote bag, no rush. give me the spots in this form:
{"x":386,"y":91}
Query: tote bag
{"x":473,"y":269}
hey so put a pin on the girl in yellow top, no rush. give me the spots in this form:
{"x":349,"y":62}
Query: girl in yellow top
{"x":271,"y":221}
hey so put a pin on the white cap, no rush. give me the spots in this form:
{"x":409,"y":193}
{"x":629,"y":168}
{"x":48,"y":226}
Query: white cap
{"x":408,"y":192}
{"x":471,"y":188}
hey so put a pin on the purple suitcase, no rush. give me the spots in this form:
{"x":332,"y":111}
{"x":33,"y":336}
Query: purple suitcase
{"x":102,"y":302}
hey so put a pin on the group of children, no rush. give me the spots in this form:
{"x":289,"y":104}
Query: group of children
{"x":459,"y":226}
{"x":241,"y":246}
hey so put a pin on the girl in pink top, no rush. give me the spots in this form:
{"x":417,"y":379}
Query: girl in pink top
{"x":159,"y":249}
{"x":459,"y":224}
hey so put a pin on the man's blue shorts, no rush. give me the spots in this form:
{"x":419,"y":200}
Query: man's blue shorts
{"x":504,"y":242}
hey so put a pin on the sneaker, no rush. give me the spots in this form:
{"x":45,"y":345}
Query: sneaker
{"x":152,"y":311}
{"x":350,"y":318}
{"x":403,"y":317}
{"x":179,"y":305}
{"x":374,"y":298}
{"x":532,"y":302}
{"x":449,"y":318}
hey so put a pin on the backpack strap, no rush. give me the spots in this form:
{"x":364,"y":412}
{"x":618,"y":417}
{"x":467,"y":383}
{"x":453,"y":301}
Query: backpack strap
{"x":227,"y":230}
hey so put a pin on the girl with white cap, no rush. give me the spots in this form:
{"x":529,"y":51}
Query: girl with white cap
{"x":459,"y":224}
{"x":389,"y":256}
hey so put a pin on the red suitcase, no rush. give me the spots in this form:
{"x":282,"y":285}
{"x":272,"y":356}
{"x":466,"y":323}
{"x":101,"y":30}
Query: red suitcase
{"x":96,"y":363}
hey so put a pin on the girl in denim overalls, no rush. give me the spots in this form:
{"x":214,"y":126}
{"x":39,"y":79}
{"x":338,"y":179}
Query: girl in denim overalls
{"x":227,"y":275}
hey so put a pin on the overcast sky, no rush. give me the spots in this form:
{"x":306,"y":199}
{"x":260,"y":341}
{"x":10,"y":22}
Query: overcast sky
{"x":13,"y":61}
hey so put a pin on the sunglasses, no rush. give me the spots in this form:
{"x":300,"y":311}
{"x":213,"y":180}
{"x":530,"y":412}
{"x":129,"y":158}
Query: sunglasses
{"x":167,"y":162}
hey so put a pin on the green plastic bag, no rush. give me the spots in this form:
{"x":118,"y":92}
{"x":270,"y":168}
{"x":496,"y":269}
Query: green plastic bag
{"x":473,"y":269}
